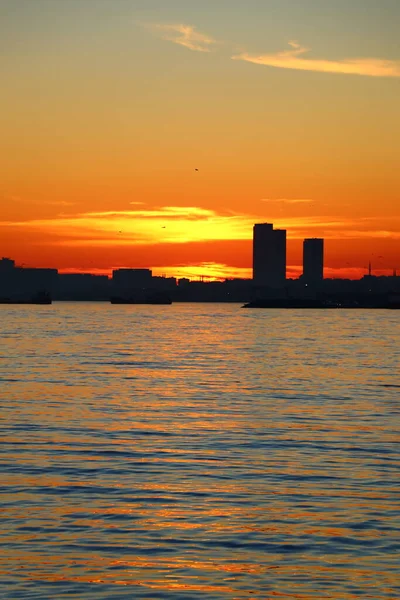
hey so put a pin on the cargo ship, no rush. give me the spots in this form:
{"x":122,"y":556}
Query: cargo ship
{"x":40,"y":298}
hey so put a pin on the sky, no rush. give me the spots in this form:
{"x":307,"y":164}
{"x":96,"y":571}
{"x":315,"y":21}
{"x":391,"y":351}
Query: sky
{"x":154,"y":134}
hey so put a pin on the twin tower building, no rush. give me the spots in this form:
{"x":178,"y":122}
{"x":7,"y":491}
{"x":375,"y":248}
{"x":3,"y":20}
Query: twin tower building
{"x":269,"y":257}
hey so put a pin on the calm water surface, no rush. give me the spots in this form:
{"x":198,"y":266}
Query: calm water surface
{"x":198,"y":451}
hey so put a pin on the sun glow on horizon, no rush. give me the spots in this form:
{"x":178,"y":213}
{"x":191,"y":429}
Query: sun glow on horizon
{"x":188,"y":224}
{"x":181,"y":228}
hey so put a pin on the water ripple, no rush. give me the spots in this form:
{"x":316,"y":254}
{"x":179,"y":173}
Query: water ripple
{"x":199,"y":452}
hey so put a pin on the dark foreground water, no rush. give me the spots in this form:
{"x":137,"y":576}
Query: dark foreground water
{"x":198,"y":451}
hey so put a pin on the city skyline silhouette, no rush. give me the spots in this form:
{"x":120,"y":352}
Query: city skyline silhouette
{"x":269,"y":266}
{"x":268,"y":287}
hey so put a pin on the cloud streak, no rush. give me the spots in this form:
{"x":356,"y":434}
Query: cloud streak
{"x":183,"y":35}
{"x":289,"y":200}
{"x":185,"y":224}
{"x":294,"y":59}
{"x":164,"y":224}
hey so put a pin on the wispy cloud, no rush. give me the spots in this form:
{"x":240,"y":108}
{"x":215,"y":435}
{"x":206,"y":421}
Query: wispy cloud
{"x":183,"y":35}
{"x":294,"y":59}
{"x":288,"y":200}
{"x":186,"y":224}
{"x":7,"y":198}
{"x":57,"y":203}
{"x":165,"y":224}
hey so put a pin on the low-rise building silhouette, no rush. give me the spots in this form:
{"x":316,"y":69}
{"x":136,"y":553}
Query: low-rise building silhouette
{"x":20,"y":283}
{"x":82,"y":286}
{"x":7,"y":265}
{"x":126,"y":280}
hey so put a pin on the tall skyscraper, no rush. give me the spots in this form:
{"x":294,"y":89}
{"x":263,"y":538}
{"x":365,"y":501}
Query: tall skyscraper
{"x":313,"y":260}
{"x":269,"y":255}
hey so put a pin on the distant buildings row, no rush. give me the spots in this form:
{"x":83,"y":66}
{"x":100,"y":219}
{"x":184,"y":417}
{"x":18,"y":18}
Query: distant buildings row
{"x":21,"y":282}
{"x":269,"y":278}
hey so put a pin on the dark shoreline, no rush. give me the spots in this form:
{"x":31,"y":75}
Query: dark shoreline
{"x":294,"y":304}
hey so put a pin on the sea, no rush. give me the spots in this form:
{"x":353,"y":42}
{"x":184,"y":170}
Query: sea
{"x":198,"y":451}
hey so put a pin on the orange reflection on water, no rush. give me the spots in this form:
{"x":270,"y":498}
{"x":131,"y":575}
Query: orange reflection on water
{"x":63,"y":570}
{"x":252,"y":458}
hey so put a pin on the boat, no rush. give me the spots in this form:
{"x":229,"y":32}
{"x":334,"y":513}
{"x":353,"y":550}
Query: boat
{"x":152,"y":298}
{"x":363,"y":303}
{"x":287,"y":303}
{"x":394,"y":301}
{"x":40,"y":298}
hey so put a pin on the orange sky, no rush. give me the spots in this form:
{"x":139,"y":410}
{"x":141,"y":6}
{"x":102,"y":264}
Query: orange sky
{"x":109,"y":109}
